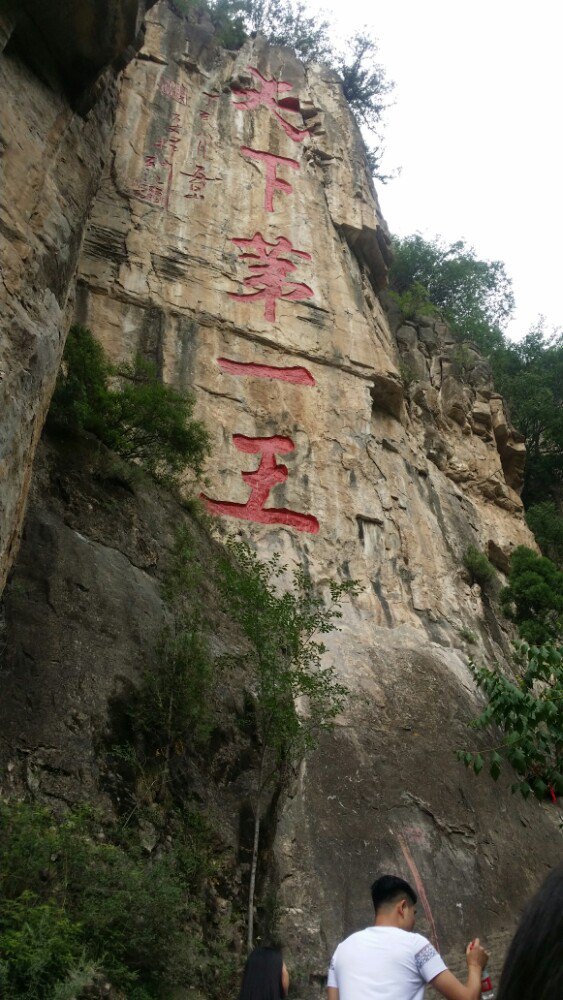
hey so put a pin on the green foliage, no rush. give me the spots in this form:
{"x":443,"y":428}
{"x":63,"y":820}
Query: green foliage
{"x":414,"y":302}
{"x":527,"y":709}
{"x":530,"y":376}
{"x":546,"y":523}
{"x":284,"y":658}
{"x":142,"y":420}
{"x":282,"y":22}
{"x":367,"y":90}
{"x":478,"y":566}
{"x":467,"y":635}
{"x":533,"y":598}
{"x":38,"y":945}
{"x":463,"y":362}
{"x":408,"y":376}
{"x":284,"y":652}
{"x":289,"y":23}
{"x":475,"y":296}
{"x":77,"y":896}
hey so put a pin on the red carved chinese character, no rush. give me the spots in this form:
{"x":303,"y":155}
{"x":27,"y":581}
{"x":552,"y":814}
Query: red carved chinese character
{"x":155,"y":182}
{"x":174,"y":90}
{"x":273,"y":182}
{"x":267,"y":97}
{"x":198,"y":182}
{"x":267,"y":475}
{"x":270,"y":273}
{"x":296,"y":374}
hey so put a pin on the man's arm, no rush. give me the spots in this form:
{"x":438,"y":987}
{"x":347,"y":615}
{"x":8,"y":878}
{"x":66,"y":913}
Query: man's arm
{"x":332,"y":993}
{"x":450,"y":987}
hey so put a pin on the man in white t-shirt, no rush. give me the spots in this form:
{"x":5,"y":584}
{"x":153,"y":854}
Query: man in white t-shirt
{"x":390,"y":962}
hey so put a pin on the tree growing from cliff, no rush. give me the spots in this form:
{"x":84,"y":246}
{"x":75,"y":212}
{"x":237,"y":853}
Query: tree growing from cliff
{"x":284,"y":655}
{"x":282,"y":22}
{"x":533,"y":599}
{"x":475,"y":296}
{"x":530,"y":375}
{"x":527,"y":710}
{"x":292,"y":24}
{"x":139,"y":417}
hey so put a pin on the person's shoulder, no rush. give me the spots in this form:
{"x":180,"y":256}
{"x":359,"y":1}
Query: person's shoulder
{"x":422,"y":949}
{"x":356,"y":938}
{"x":418,"y":940}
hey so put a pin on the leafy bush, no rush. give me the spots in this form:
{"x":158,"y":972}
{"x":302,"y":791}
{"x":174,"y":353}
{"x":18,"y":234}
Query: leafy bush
{"x":480,"y":569}
{"x":475,"y":296}
{"x":546,"y":522}
{"x":290,"y":23}
{"x":527,"y":709}
{"x":80,"y":899}
{"x":142,"y":420}
{"x":533,"y":598}
{"x":530,"y":374}
{"x":467,"y":635}
{"x":414,"y":302}
{"x":282,"y":22}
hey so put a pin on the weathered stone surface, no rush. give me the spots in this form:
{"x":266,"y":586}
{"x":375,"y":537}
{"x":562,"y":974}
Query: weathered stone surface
{"x":399,"y":487}
{"x":51,"y":163}
{"x":399,"y":478}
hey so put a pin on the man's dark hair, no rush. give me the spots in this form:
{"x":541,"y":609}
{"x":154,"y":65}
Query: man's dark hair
{"x":390,"y":888}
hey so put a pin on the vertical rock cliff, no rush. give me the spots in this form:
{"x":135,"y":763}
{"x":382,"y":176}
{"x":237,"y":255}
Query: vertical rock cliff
{"x":58,"y":67}
{"x":235,"y":239}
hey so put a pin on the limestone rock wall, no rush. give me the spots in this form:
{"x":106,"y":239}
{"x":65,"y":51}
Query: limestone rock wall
{"x":237,"y":241}
{"x":56,"y":117}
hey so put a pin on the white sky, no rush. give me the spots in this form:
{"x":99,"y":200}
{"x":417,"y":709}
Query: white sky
{"x":477,"y":128}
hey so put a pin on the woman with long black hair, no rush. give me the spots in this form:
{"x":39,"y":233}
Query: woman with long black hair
{"x":533,"y":968}
{"x":265,"y":976}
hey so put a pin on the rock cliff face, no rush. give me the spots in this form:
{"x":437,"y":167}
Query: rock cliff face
{"x":236,"y":240}
{"x":55,"y":65}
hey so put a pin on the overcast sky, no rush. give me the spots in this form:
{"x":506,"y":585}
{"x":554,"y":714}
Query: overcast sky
{"x":477,"y":128}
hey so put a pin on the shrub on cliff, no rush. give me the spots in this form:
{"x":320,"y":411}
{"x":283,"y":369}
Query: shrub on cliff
{"x":527,"y":710}
{"x":546,"y":522}
{"x":475,"y":296}
{"x":292,"y":24}
{"x":478,"y":566}
{"x":533,"y":598}
{"x":79,"y":896}
{"x":127,"y":408}
{"x":530,"y":375}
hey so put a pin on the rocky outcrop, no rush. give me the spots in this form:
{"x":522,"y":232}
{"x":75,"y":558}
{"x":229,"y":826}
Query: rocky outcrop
{"x":52,"y":56}
{"x":237,"y":242}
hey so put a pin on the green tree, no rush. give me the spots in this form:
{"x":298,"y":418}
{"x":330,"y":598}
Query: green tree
{"x":141,"y":419}
{"x":527,"y":710}
{"x":533,"y":598}
{"x":475,"y":296}
{"x":546,"y":523}
{"x":282,"y":22}
{"x":282,"y":627}
{"x":367,"y":90}
{"x":530,"y":375}
{"x":289,"y":23}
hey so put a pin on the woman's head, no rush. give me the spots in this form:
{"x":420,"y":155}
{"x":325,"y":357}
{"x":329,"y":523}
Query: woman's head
{"x":265,"y":976}
{"x":533,"y":969}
